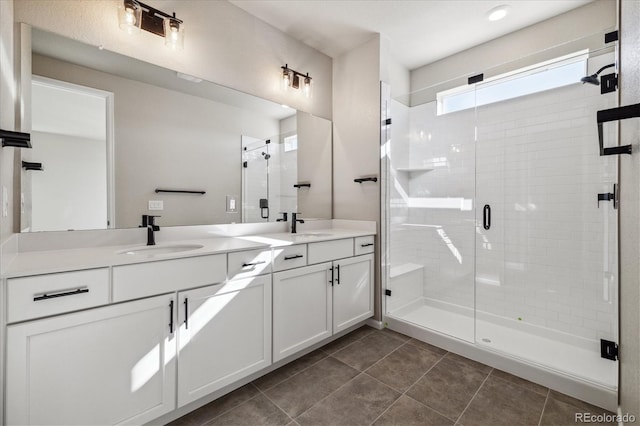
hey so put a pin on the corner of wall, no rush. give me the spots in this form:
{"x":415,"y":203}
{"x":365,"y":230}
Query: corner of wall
{"x":629,"y":228}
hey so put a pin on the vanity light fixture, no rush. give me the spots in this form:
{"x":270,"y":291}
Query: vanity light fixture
{"x":15,"y":139}
{"x":292,"y":79}
{"x":134,"y":16}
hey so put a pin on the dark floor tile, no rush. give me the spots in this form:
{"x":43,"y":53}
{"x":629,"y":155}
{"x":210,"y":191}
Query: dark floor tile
{"x":347,"y":339}
{"x":217,"y":407}
{"x":425,"y":345}
{"x":467,"y":362}
{"x":558,"y":413}
{"x":582,"y":405}
{"x":281,"y":374}
{"x":368,"y":350}
{"x":403,"y":367}
{"x":408,"y":412}
{"x":359,"y":402}
{"x":256,"y":411}
{"x":394,"y":334}
{"x":298,"y":393}
{"x":499,"y":402}
{"x":448,"y":387}
{"x":520,"y":382}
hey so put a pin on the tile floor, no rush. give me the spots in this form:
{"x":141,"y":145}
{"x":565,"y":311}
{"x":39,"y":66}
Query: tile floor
{"x":372,"y":377}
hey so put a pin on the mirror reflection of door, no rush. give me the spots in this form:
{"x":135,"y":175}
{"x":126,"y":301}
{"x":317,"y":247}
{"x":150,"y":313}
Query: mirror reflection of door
{"x":71,"y":137}
{"x":255,"y":180}
{"x":269,"y":171}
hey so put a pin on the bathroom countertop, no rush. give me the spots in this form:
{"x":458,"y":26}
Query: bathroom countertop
{"x":52,"y":261}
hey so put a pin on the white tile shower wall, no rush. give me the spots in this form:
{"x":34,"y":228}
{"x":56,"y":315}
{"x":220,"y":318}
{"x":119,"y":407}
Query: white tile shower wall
{"x":548,"y":259}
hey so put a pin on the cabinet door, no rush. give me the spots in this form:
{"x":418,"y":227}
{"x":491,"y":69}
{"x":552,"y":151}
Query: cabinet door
{"x":301,"y":309}
{"x":224,"y":335}
{"x":111,"y":365}
{"x":352,"y":291}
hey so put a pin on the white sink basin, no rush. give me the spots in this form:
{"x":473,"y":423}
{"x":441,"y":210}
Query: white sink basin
{"x":159,"y":250}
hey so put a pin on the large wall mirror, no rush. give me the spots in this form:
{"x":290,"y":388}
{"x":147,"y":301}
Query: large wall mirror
{"x":118,"y":138}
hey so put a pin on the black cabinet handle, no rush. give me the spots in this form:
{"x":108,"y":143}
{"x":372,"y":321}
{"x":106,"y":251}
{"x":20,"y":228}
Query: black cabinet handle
{"x":244,"y":265}
{"x":331,"y":280}
{"x":64,"y":293}
{"x":171,"y":317}
{"x":297,"y":256}
{"x":337,"y":274}
{"x":366,"y":245}
{"x":186,"y":313}
{"x":486,"y":216}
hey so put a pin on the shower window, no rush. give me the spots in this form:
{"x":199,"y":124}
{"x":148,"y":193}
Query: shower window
{"x":525,"y":81}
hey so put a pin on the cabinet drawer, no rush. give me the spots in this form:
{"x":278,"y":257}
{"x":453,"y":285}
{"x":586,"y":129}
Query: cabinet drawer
{"x":148,"y":279}
{"x":289,"y":257}
{"x":364,"y":245}
{"x":249,"y":263}
{"x":51,"y":294}
{"x":329,"y":250}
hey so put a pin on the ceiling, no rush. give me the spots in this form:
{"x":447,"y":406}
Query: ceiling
{"x":419,"y":31}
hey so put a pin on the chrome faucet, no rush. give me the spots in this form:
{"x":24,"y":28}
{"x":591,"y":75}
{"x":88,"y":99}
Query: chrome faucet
{"x":294,"y":222}
{"x":148,"y":222}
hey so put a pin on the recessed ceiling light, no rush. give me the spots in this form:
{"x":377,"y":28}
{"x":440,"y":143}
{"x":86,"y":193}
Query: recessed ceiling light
{"x":498,"y":12}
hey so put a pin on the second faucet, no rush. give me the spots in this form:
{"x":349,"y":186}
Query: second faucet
{"x":294,"y":222}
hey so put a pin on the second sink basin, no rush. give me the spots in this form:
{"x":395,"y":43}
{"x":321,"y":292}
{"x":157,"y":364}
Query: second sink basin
{"x":159,"y":250}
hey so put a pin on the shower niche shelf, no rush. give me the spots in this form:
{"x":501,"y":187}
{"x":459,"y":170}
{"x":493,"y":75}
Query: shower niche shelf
{"x":414,"y":169}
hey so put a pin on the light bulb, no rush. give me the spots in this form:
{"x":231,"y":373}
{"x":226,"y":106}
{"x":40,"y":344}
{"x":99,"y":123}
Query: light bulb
{"x":286,"y":79}
{"x":174,"y":33}
{"x":307,"y":87}
{"x":130,"y":16}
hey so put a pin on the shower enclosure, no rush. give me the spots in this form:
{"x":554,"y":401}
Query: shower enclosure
{"x":269,"y":171}
{"x":497,"y":243}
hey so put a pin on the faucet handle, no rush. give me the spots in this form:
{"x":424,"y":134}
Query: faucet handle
{"x":284,"y":217}
{"x":147,"y":220}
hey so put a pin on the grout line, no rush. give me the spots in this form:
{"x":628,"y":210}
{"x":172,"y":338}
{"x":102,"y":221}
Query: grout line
{"x":230,"y":409}
{"x":544,"y":406}
{"x":277,"y":406}
{"x":326,"y":355}
{"x":334,"y":391}
{"x":474,"y":396}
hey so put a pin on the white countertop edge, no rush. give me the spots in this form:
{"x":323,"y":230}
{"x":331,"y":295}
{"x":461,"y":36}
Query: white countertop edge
{"x":69,"y":259}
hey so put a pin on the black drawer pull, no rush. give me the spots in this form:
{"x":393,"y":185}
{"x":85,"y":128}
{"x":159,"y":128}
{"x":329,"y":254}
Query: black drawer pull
{"x":171,"y":317}
{"x":366,"y":245}
{"x":186,"y":313}
{"x":244,"y":265}
{"x":297,"y":256}
{"x":46,"y":296}
{"x":337,"y":274}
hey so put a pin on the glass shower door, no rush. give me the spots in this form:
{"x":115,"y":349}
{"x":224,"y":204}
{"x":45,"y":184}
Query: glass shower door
{"x":546,"y":281}
{"x":430,"y":192}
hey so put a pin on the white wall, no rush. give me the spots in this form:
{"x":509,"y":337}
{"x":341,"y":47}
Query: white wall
{"x":200,"y":140}
{"x":223,"y":44}
{"x":356,"y":138}
{"x":575,"y":30}
{"x":630,"y":213}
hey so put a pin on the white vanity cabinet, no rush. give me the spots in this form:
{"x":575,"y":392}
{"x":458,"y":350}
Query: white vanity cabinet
{"x":109,"y":365}
{"x":301,"y":309}
{"x":312,"y":303}
{"x":352,"y":291}
{"x":224,"y":334}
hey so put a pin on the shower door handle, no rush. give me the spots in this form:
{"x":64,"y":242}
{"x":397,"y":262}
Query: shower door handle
{"x":486,"y":216}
